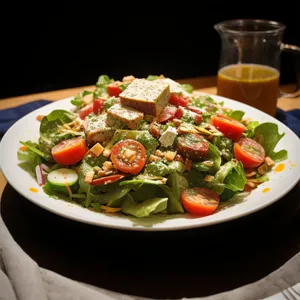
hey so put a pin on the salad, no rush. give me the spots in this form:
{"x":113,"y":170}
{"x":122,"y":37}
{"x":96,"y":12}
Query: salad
{"x":146,"y":146}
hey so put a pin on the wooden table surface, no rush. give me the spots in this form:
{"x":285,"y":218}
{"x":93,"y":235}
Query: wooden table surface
{"x":204,"y":84}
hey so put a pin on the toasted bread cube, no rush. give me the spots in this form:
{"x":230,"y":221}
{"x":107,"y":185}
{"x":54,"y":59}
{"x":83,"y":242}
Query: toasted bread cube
{"x":96,"y":129}
{"x":97,"y":149}
{"x":119,"y":117}
{"x":149,"y":97}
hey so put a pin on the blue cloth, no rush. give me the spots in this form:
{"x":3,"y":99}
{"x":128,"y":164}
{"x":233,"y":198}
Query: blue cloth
{"x":9,"y":116}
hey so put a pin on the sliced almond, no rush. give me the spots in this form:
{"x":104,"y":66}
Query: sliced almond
{"x":107,"y":166}
{"x":250,"y":184}
{"x":101,"y":173}
{"x":153,"y":158}
{"x":251,"y":174}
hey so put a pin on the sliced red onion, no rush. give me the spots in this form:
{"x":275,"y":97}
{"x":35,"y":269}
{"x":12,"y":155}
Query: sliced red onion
{"x":39,"y":175}
{"x":46,"y":168}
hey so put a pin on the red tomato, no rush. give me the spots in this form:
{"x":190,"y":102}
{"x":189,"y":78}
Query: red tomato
{"x":167,"y":114}
{"x":231,"y":128}
{"x":114,"y":89}
{"x":193,"y":146}
{"x":249,"y":152}
{"x":179,"y":99}
{"x":98,"y":105}
{"x":200,"y":201}
{"x":128,"y":156}
{"x":195,"y":109}
{"x":69,"y":152}
{"x":107,"y":179}
{"x":179,"y":112}
{"x":86,"y":110}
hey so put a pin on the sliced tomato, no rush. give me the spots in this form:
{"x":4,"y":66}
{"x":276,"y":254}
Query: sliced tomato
{"x":231,"y":128}
{"x":193,"y":146}
{"x":167,"y":114}
{"x":86,"y":110}
{"x":98,"y":105}
{"x":128,"y":156}
{"x":249,"y":152}
{"x":114,"y":89}
{"x":69,"y":152}
{"x":200,"y":201}
{"x":179,"y":99}
{"x":107,"y":179}
{"x":179,"y":112}
{"x":195,"y":109}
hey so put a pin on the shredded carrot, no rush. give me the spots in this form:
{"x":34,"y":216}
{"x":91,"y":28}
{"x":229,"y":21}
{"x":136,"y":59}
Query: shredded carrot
{"x":69,"y":190}
{"x":110,"y":209}
{"x":23,"y":148}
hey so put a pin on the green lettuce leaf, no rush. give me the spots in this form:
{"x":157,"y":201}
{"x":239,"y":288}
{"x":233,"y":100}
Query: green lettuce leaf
{"x":145,"y":208}
{"x":268,"y":136}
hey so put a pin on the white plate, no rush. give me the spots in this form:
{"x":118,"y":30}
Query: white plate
{"x":27,"y":128}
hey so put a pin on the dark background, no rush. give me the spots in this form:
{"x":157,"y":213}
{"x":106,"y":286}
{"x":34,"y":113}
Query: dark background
{"x":46,"y":47}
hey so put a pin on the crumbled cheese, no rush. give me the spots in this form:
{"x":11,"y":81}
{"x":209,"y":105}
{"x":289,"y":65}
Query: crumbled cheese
{"x":168,"y":137}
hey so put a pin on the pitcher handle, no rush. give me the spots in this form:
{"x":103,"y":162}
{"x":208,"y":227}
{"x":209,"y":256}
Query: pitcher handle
{"x":296,"y":50}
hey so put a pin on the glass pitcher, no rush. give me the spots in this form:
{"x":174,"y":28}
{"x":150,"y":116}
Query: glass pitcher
{"x":249,"y":68}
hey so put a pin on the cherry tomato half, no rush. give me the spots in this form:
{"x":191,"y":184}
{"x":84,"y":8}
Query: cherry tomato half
{"x":69,"y":152}
{"x":200,"y":201}
{"x":249,"y":152}
{"x":128,"y":156}
{"x":231,"y":128}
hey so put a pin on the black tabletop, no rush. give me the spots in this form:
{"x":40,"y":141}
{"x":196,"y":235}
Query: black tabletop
{"x":175,"y":264}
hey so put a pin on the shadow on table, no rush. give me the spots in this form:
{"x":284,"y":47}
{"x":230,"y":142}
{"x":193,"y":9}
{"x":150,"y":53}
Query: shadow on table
{"x":176,"y":264}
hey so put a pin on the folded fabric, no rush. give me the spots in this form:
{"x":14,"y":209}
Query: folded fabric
{"x":9,"y":116}
{"x":290,"y":118}
{"x":21,"y":278}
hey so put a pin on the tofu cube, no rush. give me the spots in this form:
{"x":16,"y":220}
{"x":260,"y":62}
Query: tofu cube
{"x":96,"y":129}
{"x":120,"y":117}
{"x":168,"y":137}
{"x":149,"y":97}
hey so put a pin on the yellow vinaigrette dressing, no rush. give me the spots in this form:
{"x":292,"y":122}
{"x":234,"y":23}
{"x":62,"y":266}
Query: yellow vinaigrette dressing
{"x":253,"y":84}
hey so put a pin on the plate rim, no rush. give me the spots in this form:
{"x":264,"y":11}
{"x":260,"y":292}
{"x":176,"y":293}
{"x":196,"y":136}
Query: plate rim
{"x":145,"y":228}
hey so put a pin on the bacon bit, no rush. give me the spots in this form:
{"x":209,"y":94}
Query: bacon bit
{"x":270,"y":162}
{"x":247,"y":188}
{"x":40,"y":117}
{"x":89,"y":177}
{"x":251,"y":174}
{"x":170,"y":155}
{"x":263,"y":169}
{"x":110,"y":209}
{"x":153,"y":158}
{"x":23,"y":148}
{"x":69,"y":190}
{"x":97,"y":149}
{"x":208,"y":178}
{"x":188,"y":164}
